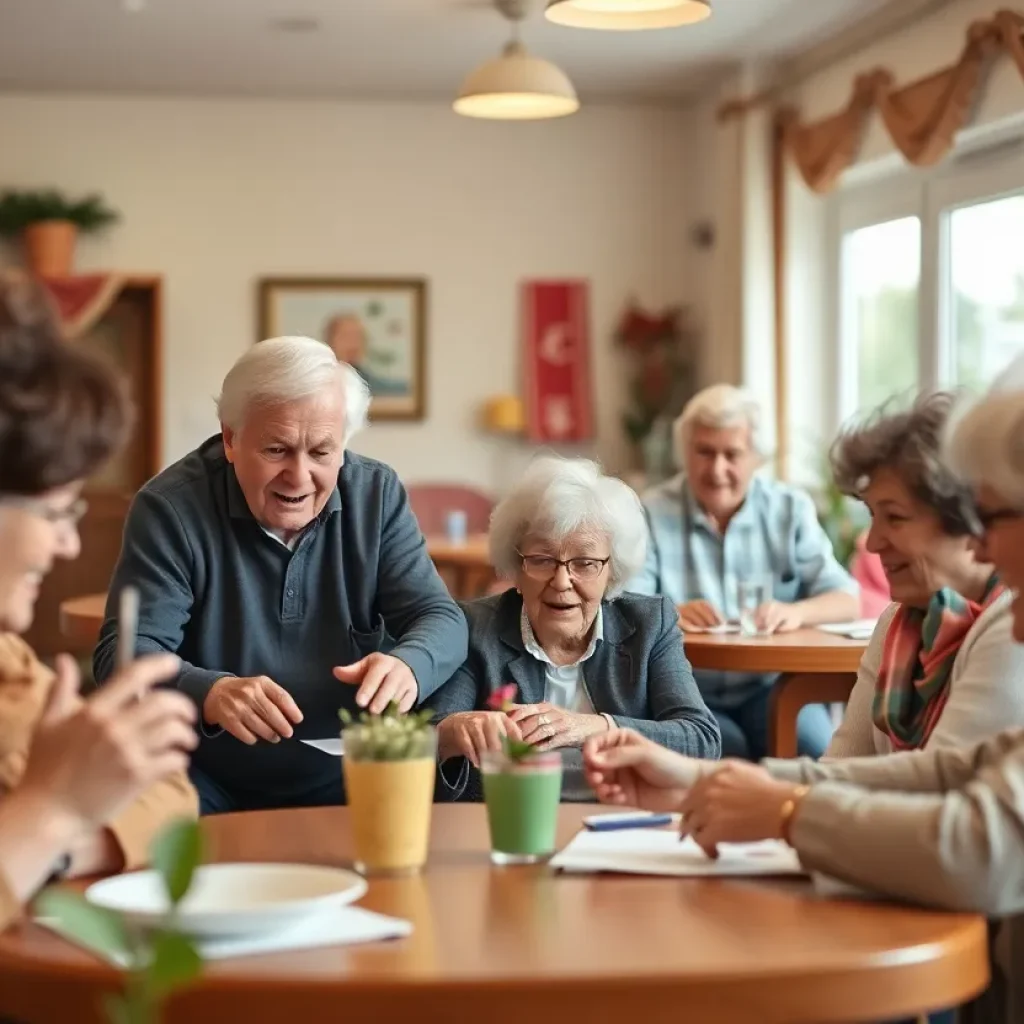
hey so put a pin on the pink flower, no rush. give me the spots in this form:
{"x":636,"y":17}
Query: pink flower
{"x":502,"y":697}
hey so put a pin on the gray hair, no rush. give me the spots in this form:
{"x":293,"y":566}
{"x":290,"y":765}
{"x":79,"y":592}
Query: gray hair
{"x":287,"y":369}
{"x":717,"y":407}
{"x":985,"y":438}
{"x":908,"y":442}
{"x":554,"y":498}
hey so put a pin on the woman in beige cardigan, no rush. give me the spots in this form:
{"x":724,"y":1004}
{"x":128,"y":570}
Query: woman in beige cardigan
{"x":941,"y":669}
{"x":940,"y":827}
{"x":84,"y":784}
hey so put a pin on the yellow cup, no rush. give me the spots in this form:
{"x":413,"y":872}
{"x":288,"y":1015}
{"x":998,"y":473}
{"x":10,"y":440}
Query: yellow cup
{"x":389,"y":807}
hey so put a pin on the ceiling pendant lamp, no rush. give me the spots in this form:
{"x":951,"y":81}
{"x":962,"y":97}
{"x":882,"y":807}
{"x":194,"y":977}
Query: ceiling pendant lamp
{"x":627,"y":15}
{"x":516,"y":86}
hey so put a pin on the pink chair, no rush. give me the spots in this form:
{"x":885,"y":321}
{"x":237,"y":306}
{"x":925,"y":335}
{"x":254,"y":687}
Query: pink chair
{"x":866,"y":569}
{"x":431,"y":504}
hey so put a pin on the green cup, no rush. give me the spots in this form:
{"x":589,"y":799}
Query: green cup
{"x":522,"y":805}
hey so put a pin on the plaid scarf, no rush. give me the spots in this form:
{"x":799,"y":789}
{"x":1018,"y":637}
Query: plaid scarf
{"x":917,"y":659}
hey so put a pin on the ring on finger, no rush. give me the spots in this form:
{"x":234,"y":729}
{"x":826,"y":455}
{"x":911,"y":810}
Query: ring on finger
{"x":543,"y":720}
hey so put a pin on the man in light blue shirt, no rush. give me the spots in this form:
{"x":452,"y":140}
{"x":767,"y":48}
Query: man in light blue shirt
{"x":717,"y":524}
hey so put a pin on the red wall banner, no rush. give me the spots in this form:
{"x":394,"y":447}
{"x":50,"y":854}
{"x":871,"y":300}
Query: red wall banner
{"x":556,"y":360}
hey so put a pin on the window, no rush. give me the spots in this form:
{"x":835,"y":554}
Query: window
{"x":881,"y":266}
{"x":986,"y":286}
{"x":930,"y":271}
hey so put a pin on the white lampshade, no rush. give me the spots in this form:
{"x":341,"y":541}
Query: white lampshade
{"x":517,"y":87}
{"x":627,"y":15}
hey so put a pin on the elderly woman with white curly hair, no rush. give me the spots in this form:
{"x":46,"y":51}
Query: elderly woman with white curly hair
{"x":585,"y":657}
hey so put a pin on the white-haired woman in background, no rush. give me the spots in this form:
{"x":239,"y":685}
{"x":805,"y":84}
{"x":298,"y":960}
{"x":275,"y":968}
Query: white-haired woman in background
{"x":585,"y":657}
{"x":942,"y":827}
{"x":717,"y":524}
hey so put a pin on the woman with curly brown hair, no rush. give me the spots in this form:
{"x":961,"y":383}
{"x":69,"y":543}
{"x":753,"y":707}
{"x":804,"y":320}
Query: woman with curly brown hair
{"x":84,"y":784}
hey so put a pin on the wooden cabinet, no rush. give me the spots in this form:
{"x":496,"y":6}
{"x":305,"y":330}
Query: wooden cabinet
{"x":129,"y":334}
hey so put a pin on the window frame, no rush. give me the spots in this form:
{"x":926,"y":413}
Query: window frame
{"x":932,"y":196}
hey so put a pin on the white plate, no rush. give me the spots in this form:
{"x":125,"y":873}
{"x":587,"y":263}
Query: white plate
{"x":231,"y":899}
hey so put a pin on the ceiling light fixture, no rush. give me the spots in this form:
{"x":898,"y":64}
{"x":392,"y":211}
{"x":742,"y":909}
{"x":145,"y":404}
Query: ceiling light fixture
{"x":516,"y":86}
{"x":627,"y":15}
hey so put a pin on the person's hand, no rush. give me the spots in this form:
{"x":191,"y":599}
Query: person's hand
{"x":90,"y":759}
{"x":251,"y":708}
{"x":548,"y":727}
{"x":776,"y":617}
{"x":625,"y":768}
{"x":470,"y":733}
{"x":381,"y":678}
{"x":738,"y":803}
{"x":697,"y":616}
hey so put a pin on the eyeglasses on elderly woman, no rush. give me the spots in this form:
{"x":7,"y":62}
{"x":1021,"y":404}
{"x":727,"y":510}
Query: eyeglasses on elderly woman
{"x":544,"y":567}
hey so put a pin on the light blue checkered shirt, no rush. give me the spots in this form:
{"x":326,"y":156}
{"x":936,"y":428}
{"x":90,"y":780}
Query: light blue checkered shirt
{"x":775,"y":537}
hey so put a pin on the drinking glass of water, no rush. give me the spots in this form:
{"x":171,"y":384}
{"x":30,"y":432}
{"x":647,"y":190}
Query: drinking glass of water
{"x":750,"y":595}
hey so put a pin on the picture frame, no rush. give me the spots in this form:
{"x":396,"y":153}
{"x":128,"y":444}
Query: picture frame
{"x":377,"y":325}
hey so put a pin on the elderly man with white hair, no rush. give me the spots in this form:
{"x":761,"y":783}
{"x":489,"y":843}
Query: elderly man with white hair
{"x":584,"y":657}
{"x":716,"y":524}
{"x":290,"y":577}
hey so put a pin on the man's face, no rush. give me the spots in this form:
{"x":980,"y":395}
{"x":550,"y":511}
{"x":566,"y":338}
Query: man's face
{"x":719,"y":466}
{"x":347,"y":340}
{"x":287,"y":458}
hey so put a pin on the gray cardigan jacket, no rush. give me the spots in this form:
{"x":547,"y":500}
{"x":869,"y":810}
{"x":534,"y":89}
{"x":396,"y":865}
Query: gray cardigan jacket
{"x":939,"y":827}
{"x":639,"y":674}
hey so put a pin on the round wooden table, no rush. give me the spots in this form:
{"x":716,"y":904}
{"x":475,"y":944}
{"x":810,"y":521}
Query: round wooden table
{"x":504,"y":945}
{"x":814,"y":668}
{"x":81,"y":619}
{"x":465,"y":567}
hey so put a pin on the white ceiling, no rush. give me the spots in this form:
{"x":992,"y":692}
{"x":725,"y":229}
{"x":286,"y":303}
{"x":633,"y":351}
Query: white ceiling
{"x":397,"y":49}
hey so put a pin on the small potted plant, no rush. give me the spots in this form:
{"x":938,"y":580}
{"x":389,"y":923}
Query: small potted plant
{"x":48,"y":224}
{"x":522,"y":790}
{"x":389,"y":765}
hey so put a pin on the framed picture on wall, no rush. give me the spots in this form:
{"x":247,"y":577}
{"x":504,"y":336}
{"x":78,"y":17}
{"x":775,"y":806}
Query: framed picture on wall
{"x":378,"y":326}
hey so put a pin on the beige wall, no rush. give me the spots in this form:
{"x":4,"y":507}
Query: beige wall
{"x":215,"y":194}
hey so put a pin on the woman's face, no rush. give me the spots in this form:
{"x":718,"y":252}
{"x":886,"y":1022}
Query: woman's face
{"x":33,"y":532}
{"x":1003,"y":546}
{"x":918,"y":556}
{"x":561,"y":601}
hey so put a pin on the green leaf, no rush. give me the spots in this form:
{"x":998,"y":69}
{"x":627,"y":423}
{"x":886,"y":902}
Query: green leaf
{"x":176,"y":854}
{"x":517,"y":749}
{"x":98,"y":929}
{"x":175,"y":963}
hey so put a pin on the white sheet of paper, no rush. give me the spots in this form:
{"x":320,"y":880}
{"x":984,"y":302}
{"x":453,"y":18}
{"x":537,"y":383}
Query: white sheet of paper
{"x":656,"y":852}
{"x":725,"y":627}
{"x":857,"y":629}
{"x":345,"y":926}
{"x":334,"y":747}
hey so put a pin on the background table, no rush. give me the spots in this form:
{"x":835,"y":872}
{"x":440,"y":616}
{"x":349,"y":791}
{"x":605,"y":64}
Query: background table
{"x":522,"y":944}
{"x":81,"y":619}
{"x":465,"y":567}
{"x":814,"y":667}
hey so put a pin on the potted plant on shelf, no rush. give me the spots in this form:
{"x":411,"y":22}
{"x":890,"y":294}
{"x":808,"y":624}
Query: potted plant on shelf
{"x":389,"y":763}
{"x":522,"y":789}
{"x":48,"y":223}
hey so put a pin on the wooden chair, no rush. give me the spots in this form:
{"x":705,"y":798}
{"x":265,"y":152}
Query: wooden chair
{"x":791,"y":693}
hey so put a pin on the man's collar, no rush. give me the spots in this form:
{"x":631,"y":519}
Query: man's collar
{"x":745,"y":515}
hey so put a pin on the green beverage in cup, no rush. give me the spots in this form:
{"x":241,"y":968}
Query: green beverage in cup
{"x":522,"y":797}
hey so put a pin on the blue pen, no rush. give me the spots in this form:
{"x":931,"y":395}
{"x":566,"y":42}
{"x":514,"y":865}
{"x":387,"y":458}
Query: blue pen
{"x":614,"y":822}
